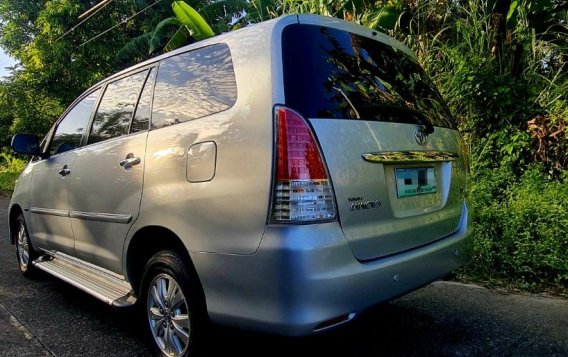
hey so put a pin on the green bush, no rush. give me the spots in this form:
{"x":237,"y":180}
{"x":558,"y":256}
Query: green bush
{"x":10,"y":168}
{"x":520,"y":231}
{"x":8,"y":180}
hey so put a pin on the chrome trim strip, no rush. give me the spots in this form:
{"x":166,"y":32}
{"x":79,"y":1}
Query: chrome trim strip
{"x":409,"y":157}
{"x":104,"y":217}
{"x":50,"y":211}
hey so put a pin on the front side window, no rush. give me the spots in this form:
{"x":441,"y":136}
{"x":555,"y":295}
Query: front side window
{"x":70,"y":130}
{"x":116,"y":108}
{"x":194,"y":84}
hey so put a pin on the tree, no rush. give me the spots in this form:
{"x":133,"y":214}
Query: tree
{"x":185,"y":27}
{"x":55,"y":63}
{"x":190,"y":25}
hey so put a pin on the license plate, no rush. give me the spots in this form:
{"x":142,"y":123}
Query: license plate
{"x":415,"y":181}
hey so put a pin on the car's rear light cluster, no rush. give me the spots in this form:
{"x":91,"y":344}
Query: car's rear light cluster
{"x":302,"y":190}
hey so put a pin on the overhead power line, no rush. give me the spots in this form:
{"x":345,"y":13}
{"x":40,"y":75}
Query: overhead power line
{"x":87,"y":15}
{"x":120,"y":23}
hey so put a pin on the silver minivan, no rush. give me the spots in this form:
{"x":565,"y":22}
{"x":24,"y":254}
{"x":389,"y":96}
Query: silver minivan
{"x":281,"y":178}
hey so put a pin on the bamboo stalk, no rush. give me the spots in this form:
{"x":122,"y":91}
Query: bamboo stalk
{"x":94,"y":8}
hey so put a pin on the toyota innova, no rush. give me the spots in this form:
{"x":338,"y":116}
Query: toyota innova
{"x":281,"y":178}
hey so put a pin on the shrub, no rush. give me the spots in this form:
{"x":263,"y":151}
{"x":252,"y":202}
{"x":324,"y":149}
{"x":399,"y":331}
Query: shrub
{"x":8,"y":180}
{"x":11,"y":163}
{"x":10,"y":168}
{"x":520,"y":230}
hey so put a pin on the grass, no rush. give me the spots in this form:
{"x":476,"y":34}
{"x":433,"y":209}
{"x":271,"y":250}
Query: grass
{"x":520,"y":226}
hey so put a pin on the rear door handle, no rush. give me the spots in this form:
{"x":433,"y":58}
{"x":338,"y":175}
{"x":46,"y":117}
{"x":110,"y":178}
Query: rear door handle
{"x":64,"y":171}
{"x":129,"y":161}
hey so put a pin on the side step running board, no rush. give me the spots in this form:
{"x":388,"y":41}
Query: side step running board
{"x":102,"y":285}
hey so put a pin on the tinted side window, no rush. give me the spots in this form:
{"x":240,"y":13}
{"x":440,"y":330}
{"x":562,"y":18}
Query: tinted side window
{"x":194,"y":84}
{"x":141,"y":119}
{"x":70,"y":130}
{"x":116,"y":108}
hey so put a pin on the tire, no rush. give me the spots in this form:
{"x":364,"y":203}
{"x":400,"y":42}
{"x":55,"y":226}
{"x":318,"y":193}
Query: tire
{"x":25,"y":252}
{"x":173,"y":305}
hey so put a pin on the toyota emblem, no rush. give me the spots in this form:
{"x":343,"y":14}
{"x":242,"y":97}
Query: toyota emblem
{"x":421,"y":137}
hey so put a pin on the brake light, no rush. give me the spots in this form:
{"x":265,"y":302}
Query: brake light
{"x":302,"y":190}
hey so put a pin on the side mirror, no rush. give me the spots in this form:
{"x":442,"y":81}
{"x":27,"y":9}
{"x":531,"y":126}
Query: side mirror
{"x":26,"y":144}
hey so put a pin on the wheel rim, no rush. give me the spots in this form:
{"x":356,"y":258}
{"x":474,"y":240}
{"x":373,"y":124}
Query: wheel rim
{"x":22,"y":247}
{"x":168,"y":315}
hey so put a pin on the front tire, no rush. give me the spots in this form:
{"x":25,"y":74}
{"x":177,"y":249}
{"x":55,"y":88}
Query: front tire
{"x":172,"y":303}
{"x":25,"y":252}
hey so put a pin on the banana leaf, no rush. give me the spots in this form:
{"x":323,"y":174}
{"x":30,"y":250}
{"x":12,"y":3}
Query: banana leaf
{"x":197,"y":26}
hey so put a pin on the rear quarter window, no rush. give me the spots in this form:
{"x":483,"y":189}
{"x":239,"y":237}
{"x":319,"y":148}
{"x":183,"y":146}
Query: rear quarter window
{"x":194,"y":84}
{"x":333,"y":74}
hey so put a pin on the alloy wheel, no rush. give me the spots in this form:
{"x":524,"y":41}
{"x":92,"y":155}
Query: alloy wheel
{"x":23,"y":247}
{"x":168,"y":315}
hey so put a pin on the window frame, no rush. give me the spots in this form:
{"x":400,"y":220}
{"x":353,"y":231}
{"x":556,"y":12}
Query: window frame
{"x":153,"y":73}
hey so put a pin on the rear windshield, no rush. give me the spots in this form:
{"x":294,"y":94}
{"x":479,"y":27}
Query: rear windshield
{"x":335,"y":74}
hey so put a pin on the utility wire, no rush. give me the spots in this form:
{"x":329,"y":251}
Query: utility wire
{"x":120,"y":23}
{"x":83,"y":21}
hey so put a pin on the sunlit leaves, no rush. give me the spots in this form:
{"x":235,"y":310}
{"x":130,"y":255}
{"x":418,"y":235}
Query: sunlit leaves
{"x":192,"y":20}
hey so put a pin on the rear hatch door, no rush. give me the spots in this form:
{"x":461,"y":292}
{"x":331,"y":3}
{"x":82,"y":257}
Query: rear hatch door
{"x":393,"y":153}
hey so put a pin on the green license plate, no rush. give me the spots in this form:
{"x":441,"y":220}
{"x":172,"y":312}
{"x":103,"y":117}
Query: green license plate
{"x":415,"y":181}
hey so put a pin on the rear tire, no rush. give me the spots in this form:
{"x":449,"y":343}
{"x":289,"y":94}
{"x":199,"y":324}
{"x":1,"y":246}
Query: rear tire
{"x":172,"y":305}
{"x":25,"y":252}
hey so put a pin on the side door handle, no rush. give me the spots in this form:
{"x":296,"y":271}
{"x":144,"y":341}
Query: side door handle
{"x":64,"y":171}
{"x":129,"y":161}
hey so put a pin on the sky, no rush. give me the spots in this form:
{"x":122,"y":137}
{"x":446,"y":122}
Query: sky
{"x":5,"y":61}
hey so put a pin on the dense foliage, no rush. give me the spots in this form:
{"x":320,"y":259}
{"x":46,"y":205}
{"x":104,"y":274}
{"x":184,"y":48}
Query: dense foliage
{"x":501,"y":64}
{"x":10,"y":168}
{"x":54,"y":65}
{"x":521,"y":226}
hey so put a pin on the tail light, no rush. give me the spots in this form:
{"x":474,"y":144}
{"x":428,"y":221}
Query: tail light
{"x":302,"y":190}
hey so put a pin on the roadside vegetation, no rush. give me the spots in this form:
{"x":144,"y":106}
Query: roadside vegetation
{"x":10,"y":169}
{"x":501,"y":64}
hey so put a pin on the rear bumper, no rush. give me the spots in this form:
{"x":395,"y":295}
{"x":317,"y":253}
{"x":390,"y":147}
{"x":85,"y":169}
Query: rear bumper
{"x":303,"y":276}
